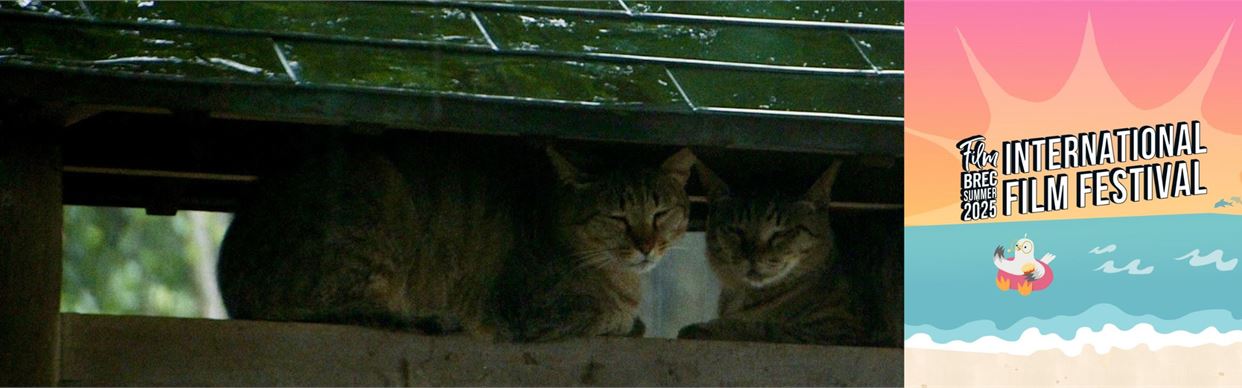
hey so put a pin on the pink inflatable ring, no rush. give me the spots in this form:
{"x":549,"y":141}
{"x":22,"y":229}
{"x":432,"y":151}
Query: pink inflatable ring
{"x":1016,"y":280}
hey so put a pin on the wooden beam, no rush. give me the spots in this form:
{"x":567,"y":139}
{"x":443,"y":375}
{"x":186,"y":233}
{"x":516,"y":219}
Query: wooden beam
{"x":134,"y":160}
{"x":30,"y":255}
{"x":130,"y":350}
{"x":335,"y":106}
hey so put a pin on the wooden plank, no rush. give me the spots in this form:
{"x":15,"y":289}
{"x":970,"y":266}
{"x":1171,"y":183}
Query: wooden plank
{"x":30,"y":255}
{"x":135,"y":160}
{"x":129,"y":350}
{"x":406,"y":110}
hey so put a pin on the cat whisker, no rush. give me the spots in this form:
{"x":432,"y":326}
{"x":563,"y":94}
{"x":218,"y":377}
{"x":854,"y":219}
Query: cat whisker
{"x":590,"y":261}
{"x":593,"y":259}
{"x":590,"y":252}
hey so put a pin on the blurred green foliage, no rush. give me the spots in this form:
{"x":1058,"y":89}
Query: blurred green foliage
{"x":121,"y":261}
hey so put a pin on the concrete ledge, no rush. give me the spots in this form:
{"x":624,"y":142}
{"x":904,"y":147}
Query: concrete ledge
{"x":128,"y":350}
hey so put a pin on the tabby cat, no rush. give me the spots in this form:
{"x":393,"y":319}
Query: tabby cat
{"x":778,"y":264}
{"x":436,"y":237}
{"x":610,"y":228}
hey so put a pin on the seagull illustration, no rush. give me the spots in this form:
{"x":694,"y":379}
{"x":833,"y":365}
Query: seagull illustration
{"x":1022,"y":267}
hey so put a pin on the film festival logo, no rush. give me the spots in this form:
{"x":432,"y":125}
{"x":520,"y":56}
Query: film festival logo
{"x":1117,"y":166}
{"x":979,"y":185}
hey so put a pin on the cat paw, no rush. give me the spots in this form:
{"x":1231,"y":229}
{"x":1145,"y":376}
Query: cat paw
{"x":638,"y":330}
{"x":437,"y":325}
{"x":696,"y":331}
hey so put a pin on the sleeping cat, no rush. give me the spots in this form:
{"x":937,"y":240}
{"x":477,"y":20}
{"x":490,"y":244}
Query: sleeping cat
{"x":438,"y":237}
{"x":614,"y":226}
{"x":778,"y":265}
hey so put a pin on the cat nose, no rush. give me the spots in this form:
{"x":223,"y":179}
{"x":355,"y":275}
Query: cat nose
{"x":645,"y":243}
{"x":647,"y":246}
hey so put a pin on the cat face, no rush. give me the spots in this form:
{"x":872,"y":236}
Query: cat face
{"x":624,"y":220}
{"x":760,"y":241}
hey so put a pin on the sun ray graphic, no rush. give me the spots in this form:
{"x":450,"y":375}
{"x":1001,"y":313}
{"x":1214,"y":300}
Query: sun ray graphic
{"x":1089,"y":101}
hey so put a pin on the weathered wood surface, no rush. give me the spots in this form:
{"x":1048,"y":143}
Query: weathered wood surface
{"x":30,"y":254}
{"x":127,"y":350}
{"x":395,"y":110}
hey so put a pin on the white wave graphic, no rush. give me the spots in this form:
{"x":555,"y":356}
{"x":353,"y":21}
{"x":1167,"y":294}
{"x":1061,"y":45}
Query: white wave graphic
{"x":1106,"y":249}
{"x":1132,"y":268}
{"x":1109,"y":337}
{"x":1211,"y":258}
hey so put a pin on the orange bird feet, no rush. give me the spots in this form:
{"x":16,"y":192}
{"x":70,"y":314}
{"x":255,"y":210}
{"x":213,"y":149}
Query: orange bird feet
{"x":1025,"y":288}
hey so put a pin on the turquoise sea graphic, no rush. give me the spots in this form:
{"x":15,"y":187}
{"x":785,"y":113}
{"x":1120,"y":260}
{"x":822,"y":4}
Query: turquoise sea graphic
{"x":1186,"y":277}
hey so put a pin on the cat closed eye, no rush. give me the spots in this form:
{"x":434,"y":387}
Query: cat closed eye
{"x":658,"y":216}
{"x":790,"y":233}
{"x":781,"y":237}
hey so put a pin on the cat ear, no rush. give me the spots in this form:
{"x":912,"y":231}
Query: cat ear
{"x":565,"y":171}
{"x":820,"y":193}
{"x":678,"y":166}
{"x":716,"y":188}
